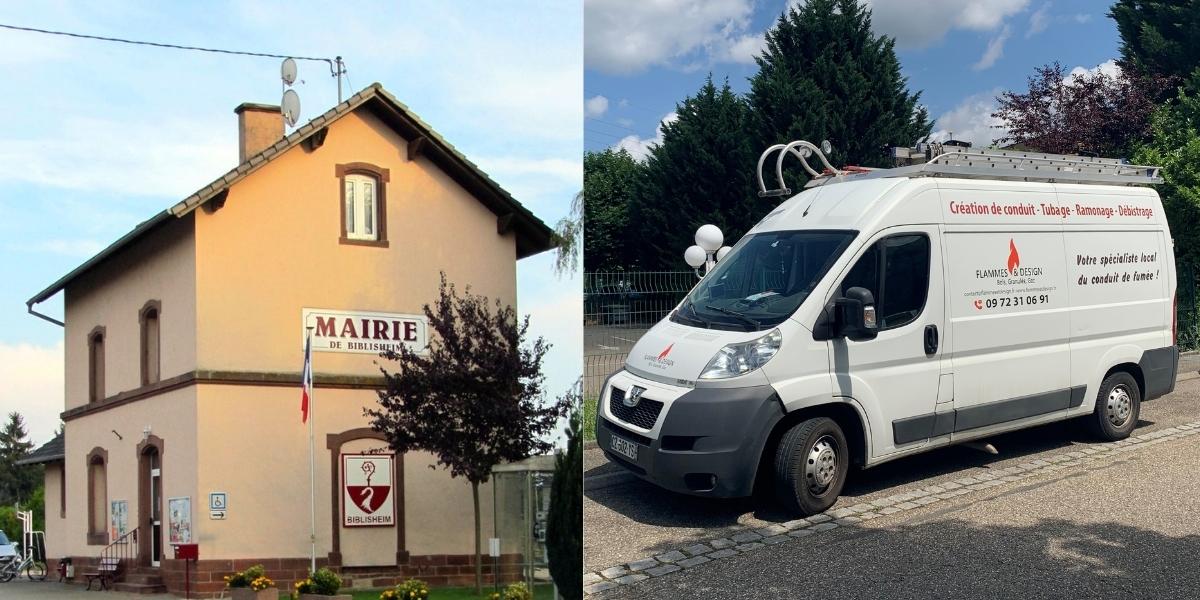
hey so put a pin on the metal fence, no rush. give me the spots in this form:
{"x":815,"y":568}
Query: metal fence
{"x":1187,"y":311}
{"x":618,"y":307}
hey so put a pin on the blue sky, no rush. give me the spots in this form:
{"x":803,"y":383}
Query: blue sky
{"x":641,"y":57}
{"x":100,"y":136}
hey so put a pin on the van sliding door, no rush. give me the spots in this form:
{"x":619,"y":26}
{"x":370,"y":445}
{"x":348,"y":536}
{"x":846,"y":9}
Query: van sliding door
{"x":1009,"y":315}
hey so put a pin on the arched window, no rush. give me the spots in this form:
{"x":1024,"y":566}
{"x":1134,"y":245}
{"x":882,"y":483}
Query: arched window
{"x":363,"y":204}
{"x":96,"y":364}
{"x":97,"y":478}
{"x":150,"y":358}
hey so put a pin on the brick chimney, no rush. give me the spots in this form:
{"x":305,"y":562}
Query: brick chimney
{"x":259,"y":126}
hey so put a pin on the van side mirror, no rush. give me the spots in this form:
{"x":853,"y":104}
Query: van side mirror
{"x":855,"y":316}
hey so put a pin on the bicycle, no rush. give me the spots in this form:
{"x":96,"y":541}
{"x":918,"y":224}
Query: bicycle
{"x":31,"y":558}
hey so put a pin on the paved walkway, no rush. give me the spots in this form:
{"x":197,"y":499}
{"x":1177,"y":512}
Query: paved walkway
{"x":1117,"y":521}
{"x":23,"y":589}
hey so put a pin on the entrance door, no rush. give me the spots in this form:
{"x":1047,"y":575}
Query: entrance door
{"x":155,"y":508}
{"x":895,"y":377}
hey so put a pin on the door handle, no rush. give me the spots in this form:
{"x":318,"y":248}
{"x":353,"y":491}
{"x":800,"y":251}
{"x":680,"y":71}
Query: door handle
{"x":931,"y":340}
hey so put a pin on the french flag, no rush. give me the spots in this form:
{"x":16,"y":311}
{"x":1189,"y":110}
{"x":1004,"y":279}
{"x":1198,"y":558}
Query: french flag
{"x":306,"y":379}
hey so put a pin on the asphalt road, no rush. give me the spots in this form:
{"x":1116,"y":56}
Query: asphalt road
{"x":1126,"y":529}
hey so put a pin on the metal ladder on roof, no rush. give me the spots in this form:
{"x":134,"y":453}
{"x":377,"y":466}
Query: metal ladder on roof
{"x":938,"y":160}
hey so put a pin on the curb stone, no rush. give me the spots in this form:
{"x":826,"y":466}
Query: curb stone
{"x":748,"y":540}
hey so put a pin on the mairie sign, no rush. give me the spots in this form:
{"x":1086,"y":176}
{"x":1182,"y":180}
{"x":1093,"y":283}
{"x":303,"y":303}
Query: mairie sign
{"x":360,"y":332}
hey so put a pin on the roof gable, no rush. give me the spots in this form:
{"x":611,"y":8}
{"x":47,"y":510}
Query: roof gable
{"x":533,"y":236}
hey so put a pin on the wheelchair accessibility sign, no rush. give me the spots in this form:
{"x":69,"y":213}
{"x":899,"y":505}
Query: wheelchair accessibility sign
{"x":217,"y":504}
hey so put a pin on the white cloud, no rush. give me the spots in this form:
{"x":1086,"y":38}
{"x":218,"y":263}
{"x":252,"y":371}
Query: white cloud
{"x":1039,"y":20}
{"x":994,"y":50}
{"x":639,"y":147}
{"x":156,"y":157}
{"x":76,"y":248}
{"x":1108,"y":67}
{"x":595,"y":106}
{"x":971,"y":120}
{"x":543,"y":185}
{"x":33,"y":386}
{"x":628,"y":36}
{"x":745,"y":48}
{"x":925,"y":22}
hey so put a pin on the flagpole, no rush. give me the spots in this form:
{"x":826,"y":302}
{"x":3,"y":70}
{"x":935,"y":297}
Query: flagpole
{"x":312,"y":477}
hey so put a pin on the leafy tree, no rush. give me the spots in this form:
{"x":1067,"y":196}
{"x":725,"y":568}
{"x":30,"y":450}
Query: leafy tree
{"x":568,"y":234}
{"x":702,"y":172}
{"x":564,"y":527}
{"x":1158,"y":39}
{"x":825,"y":76}
{"x":609,"y":180}
{"x":17,"y":482}
{"x":1081,"y":113}
{"x":1175,"y":146}
{"x":474,"y":399}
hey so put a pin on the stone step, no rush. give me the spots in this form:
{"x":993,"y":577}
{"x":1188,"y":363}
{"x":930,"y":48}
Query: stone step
{"x":140,"y":588}
{"x":149,"y":578}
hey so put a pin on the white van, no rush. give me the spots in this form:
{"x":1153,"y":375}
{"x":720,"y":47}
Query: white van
{"x":884,"y":313}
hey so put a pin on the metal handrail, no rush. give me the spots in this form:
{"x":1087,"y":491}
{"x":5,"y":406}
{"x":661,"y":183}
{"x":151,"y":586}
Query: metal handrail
{"x":124,"y":549}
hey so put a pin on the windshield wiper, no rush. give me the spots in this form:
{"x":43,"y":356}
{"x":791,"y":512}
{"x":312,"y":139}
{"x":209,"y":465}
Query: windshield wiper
{"x":696,"y":316}
{"x":734,"y":313}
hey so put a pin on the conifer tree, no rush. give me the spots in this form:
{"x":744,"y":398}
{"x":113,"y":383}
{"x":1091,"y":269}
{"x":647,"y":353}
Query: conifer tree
{"x":825,"y":76}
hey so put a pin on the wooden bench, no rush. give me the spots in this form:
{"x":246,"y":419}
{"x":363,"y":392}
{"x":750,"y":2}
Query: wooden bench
{"x":105,"y":572}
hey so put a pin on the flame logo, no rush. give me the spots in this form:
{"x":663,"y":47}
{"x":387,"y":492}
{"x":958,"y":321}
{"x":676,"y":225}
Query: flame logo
{"x":666,"y":352}
{"x":1014,"y":259}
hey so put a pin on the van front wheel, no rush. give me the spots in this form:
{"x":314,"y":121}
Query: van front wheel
{"x":810,"y":466}
{"x":1118,"y":405}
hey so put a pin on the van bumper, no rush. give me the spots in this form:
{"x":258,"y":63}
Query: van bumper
{"x":709,"y":443}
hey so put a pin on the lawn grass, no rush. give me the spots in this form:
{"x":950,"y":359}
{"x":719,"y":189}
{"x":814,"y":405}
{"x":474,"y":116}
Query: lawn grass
{"x":540,"y":592}
{"x":589,"y":419}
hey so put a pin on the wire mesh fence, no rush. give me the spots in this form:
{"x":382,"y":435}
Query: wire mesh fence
{"x":618,"y":307}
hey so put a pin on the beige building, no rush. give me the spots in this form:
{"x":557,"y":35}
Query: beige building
{"x":184,"y":348}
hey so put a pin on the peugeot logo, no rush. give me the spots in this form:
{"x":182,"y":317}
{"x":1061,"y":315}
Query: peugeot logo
{"x":633,"y":397}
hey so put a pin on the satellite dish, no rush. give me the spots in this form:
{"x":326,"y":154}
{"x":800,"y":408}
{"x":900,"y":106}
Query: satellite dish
{"x":287,"y":71}
{"x":291,"y":107}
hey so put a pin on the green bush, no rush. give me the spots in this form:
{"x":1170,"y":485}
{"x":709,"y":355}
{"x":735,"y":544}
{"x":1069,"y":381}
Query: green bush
{"x":413,"y":589}
{"x":243,"y":578}
{"x":323,"y":582}
{"x":327,"y":582}
{"x":515,"y":591}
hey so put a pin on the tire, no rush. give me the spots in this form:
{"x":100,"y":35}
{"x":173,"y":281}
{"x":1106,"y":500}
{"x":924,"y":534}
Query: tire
{"x":6,"y":575}
{"x":1118,"y":404}
{"x":36,"y":571}
{"x":811,"y":463}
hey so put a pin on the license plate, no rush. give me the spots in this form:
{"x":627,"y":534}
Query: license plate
{"x":625,"y":448}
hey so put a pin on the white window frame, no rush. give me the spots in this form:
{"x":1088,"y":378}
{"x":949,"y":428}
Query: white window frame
{"x":361,"y":206}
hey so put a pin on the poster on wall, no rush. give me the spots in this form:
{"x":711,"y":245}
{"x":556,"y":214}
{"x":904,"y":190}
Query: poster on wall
{"x":368,"y":497}
{"x":119,"y":518}
{"x":179,"y":519}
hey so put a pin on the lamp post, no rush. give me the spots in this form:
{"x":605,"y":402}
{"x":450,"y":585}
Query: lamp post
{"x":707,"y":251}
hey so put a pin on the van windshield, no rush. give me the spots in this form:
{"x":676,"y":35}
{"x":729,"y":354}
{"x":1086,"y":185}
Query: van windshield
{"x":763,"y":280}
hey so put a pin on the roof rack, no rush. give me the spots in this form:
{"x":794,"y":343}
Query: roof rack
{"x":944,"y":160}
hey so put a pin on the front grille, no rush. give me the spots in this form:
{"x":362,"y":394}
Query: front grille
{"x":644,"y":415}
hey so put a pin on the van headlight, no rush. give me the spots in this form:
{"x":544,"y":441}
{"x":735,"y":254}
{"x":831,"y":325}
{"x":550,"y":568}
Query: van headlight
{"x":739,"y":359}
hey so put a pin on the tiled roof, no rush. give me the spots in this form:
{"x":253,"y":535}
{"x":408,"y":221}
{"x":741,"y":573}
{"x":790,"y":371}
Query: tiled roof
{"x":51,"y":451}
{"x":533,"y":236}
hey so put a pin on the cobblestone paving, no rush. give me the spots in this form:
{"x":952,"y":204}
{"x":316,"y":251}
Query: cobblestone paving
{"x":698,"y":554}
